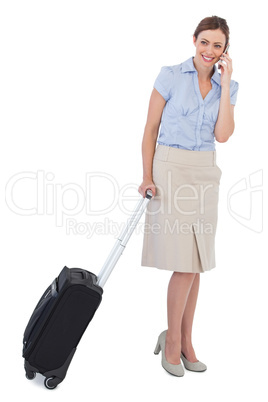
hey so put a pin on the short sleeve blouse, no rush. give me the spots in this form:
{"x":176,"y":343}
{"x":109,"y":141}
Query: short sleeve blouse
{"x":188,"y":120}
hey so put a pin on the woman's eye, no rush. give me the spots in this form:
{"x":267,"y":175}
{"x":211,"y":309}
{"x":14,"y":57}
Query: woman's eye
{"x":203,"y":42}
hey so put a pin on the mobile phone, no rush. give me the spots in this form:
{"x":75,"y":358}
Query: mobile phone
{"x":225,"y":51}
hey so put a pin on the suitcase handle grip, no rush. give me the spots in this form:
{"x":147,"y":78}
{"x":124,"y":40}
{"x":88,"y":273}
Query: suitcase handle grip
{"x":149,"y":194}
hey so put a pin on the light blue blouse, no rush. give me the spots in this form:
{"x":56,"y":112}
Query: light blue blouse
{"x":188,"y":120}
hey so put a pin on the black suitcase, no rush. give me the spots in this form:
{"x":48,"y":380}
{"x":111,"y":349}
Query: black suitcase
{"x":65,"y":310}
{"x":57,"y":324}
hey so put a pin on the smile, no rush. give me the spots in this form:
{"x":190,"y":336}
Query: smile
{"x":207,"y":59}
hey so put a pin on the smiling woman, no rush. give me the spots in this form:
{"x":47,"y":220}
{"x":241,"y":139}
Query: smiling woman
{"x":210,"y":45}
{"x":193,"y":105}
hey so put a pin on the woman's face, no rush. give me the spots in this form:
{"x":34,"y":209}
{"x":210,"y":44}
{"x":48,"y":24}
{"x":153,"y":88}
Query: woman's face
{"x":209,"y":45}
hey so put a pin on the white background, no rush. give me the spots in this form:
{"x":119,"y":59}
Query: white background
{"x":76,"y":78}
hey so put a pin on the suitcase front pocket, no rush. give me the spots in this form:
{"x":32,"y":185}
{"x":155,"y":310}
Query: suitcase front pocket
{"x":66,"y":326}
{"x":38,"y":317}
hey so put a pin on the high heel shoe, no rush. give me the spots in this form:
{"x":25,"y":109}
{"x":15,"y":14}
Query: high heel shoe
{"x":174,"y":369}
{"x":197,"y":366}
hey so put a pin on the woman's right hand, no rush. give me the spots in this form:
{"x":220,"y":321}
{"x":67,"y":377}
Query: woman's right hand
{"x":147,"y":185}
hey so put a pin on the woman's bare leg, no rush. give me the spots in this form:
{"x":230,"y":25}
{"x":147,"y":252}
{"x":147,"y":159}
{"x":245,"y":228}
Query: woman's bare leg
{"x":178,"y":292}
{"x":187,"y":321}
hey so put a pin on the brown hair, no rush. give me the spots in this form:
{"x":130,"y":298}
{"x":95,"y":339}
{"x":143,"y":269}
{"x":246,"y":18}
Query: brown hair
{"x":211,"y":23}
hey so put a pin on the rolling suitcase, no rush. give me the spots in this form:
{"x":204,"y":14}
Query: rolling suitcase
{"x":65,"y":310}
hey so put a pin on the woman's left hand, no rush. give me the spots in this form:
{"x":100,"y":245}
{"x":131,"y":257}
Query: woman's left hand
{"x":225,"y":63}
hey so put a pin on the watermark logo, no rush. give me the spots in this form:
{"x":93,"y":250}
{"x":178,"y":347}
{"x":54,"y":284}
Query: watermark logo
{"x":38,"y":193}
{"x":245,"y":201}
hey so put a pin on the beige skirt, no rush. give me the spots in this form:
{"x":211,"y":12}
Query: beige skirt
{"x":181,"y":220}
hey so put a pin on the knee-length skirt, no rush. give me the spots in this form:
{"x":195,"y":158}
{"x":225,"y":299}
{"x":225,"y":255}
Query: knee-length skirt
{"x":181,"y":220}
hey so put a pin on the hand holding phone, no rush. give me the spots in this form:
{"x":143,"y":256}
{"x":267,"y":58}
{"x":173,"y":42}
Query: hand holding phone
{"x":225,"y":51}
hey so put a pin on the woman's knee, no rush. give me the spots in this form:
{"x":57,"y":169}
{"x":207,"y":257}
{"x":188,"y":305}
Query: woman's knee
{"x":186,"y":275}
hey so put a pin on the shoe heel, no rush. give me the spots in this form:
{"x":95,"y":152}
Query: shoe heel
{"x":157,"y":348}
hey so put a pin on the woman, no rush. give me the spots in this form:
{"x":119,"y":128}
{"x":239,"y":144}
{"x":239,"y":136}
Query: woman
{"x":195,"y":105}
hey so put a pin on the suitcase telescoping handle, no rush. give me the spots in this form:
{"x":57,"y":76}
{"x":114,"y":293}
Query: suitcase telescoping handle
{"x":123,"y":238}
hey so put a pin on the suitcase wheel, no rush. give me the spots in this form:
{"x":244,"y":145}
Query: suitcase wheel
{"x":51,"y":382}
{"x":30,"y":375}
